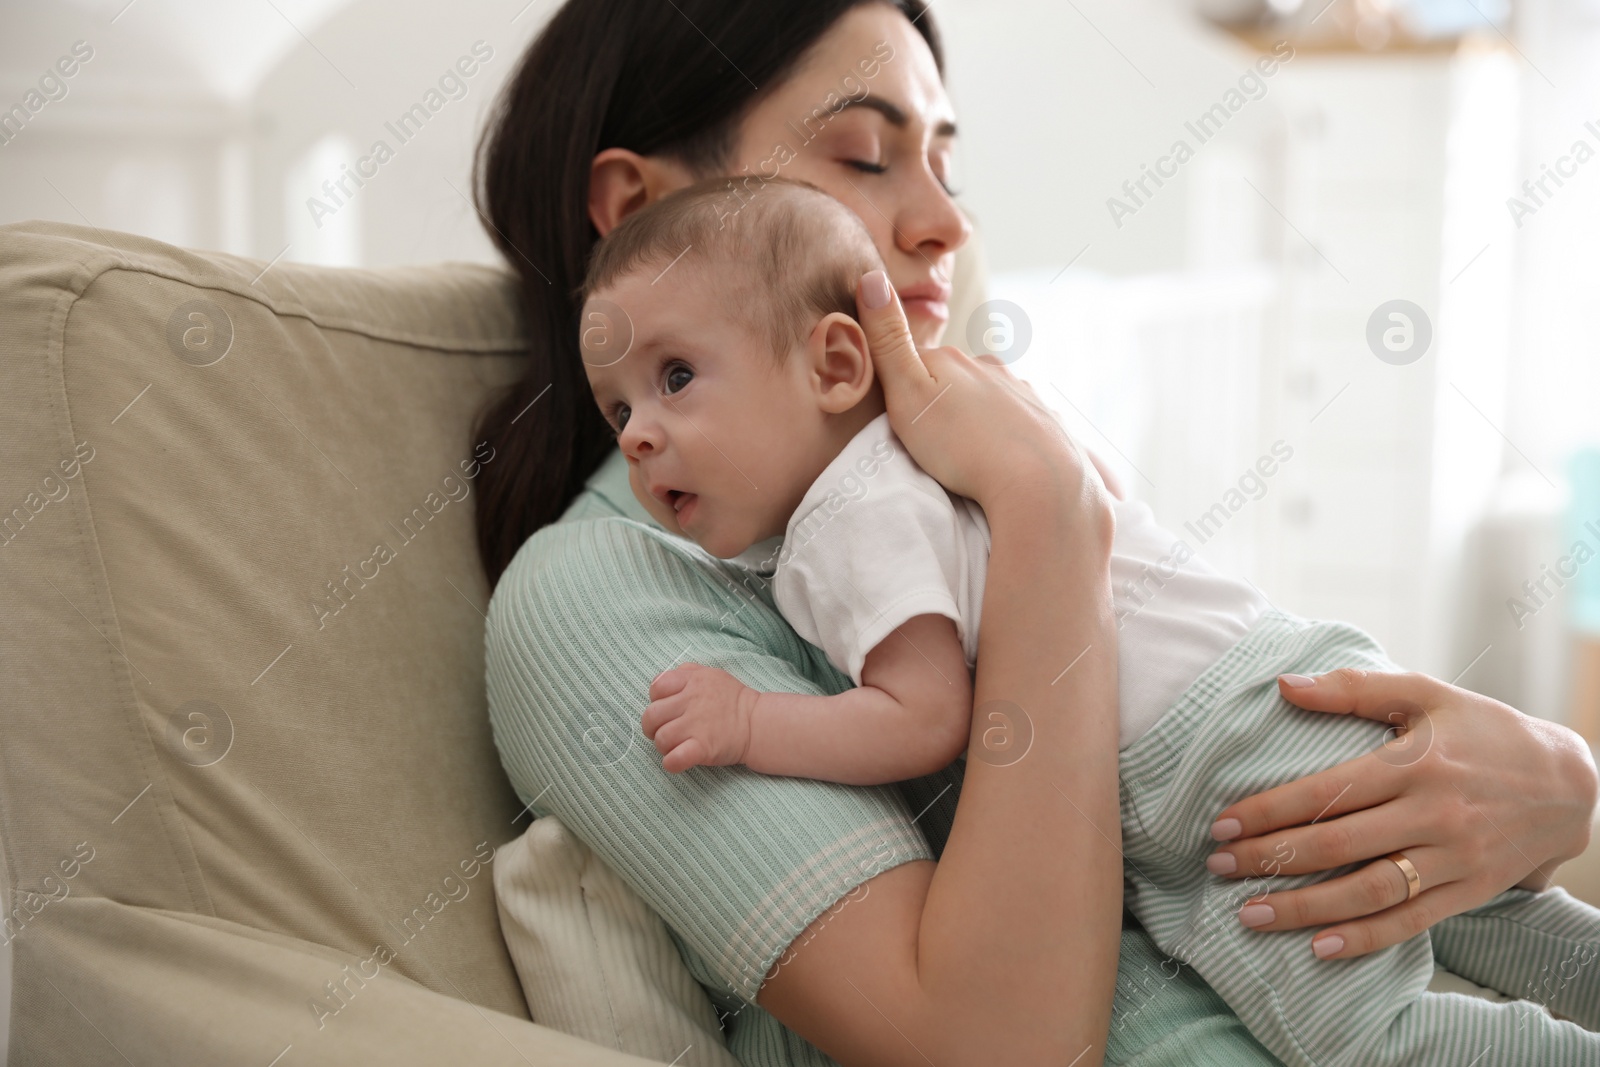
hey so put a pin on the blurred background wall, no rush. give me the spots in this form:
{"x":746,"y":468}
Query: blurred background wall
{"x":1226,"y":316}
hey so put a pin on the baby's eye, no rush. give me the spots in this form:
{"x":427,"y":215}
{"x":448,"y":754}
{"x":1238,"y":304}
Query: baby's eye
{"x":621,"y":415}
{"x":678,"y":377}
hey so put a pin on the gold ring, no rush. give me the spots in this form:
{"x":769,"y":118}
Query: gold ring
{"x":1413,"y":879}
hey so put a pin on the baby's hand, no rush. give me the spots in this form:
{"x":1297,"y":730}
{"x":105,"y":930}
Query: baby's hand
{"x":699,"y":716}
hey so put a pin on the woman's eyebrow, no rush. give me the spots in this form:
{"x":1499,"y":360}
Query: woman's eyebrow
{"x":894,"y":115}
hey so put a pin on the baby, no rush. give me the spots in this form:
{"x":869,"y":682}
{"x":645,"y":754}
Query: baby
{"x":720,"y":340}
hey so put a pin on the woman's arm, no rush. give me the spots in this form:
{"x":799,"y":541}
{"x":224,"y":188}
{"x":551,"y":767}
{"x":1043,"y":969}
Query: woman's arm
{"x":908,"y":718}
{"x":1479,"y":796}
{"x":770,"y":882}
{"x":1006,"y":950}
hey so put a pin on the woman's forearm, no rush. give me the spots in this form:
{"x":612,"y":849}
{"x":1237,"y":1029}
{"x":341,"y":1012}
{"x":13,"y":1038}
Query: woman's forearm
{"x":1005,"y":951}
{"x":1018,"y":940}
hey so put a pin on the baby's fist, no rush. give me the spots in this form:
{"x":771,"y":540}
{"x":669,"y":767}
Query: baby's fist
{"x":699,"y":716}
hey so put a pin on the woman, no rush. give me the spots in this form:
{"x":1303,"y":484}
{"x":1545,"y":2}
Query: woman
{"x":969,"y":918}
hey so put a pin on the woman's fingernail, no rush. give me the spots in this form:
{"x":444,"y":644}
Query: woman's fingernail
{"x":1226,"y":829}
{"x":875,"y":288}
{"x":1221,"y":863}
{"x":1257,"y":914}
{"x":1327,"y":946}
{"x":1298,"y":681}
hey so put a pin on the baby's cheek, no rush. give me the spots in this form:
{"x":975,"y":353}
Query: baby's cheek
{"x":656,"y":510}
{"x":663,"y":515}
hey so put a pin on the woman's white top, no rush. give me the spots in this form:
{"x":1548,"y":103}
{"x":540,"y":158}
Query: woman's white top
{"x":877,"y":541}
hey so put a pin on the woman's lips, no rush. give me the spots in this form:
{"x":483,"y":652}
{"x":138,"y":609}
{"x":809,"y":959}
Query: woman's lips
{"x":930,"y":298}
{"x":921,"y":305}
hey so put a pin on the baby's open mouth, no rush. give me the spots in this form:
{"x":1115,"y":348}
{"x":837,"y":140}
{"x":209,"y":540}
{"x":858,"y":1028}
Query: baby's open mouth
{"x":678,"y":498}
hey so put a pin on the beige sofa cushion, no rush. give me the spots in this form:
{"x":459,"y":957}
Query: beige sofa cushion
{"x":210,"y":713}
{"x":109,"y":984}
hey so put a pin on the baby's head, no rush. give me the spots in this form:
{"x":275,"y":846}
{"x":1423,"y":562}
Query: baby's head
{"x":720,"y":339}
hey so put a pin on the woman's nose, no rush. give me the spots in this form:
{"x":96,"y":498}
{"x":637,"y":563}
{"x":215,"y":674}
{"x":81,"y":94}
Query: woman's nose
{"x":930,"y":221}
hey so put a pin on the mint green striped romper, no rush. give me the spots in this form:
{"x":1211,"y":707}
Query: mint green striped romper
{"x":737,"y":864}
{"x":1231,"y":735}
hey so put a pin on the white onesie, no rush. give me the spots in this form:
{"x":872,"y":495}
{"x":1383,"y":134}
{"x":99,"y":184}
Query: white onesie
{"x":877,"y":541}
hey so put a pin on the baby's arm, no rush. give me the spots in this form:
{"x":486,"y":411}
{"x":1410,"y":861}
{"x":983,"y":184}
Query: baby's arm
{"x":910,"y":716}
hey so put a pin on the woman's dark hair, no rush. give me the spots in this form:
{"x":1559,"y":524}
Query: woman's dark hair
{"x":658,"y":78}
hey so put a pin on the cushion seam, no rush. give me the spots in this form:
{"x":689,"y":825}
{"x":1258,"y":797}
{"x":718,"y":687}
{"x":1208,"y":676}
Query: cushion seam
{"x":297,"y":310}
{"x":92,"y":565}
{"x":89,"y":268}
{"x":135,"y":724}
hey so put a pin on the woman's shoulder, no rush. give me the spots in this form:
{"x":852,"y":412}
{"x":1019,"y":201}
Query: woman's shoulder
{"x":603,"y":566}
{"x":579,"y":591}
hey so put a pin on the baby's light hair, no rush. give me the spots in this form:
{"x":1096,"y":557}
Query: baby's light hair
{"x":790,"y":252}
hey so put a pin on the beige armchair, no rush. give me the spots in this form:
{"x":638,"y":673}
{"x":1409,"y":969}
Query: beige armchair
{"x":249,"y":801}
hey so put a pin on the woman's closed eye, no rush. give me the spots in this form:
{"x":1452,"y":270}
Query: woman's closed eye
{"x":867,"y":166}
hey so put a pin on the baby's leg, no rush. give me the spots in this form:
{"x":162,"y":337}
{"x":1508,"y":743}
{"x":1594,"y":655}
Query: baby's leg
{"x":1457,"y":1029}
{"x":1232,"y":735}
{"x":1542,"y":947}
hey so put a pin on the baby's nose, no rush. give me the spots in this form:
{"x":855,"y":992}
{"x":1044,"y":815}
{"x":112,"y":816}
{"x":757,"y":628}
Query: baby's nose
{"x":638,"y":440}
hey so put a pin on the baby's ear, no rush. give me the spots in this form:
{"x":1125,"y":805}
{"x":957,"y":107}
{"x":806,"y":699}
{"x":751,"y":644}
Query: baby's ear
{"x":841,"y":365}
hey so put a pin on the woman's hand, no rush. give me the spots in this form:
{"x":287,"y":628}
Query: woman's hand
{"x":1479,"y":796}
{"x":971,"y":424}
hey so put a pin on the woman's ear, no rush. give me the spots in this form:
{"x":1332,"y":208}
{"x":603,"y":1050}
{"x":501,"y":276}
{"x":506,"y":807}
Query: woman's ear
{"x":841,"y":364}
{"x":622,"y":181}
